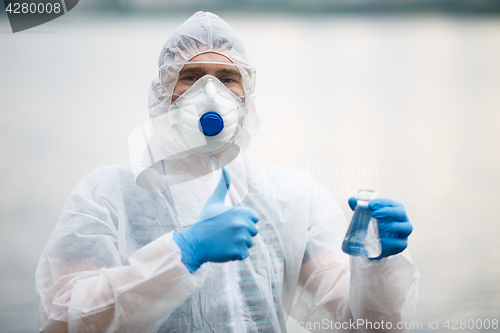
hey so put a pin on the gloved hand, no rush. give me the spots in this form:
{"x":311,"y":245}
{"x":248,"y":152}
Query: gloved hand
{"x":393,"y":225}
{"x":222,"y":233}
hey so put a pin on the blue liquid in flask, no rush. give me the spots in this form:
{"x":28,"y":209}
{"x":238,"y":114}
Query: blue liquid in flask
{"x":362,"y":238}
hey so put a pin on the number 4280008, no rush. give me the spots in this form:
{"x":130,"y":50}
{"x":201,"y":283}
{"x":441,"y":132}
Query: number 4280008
{"x":456,"y":324}
{"x":33,"y":8}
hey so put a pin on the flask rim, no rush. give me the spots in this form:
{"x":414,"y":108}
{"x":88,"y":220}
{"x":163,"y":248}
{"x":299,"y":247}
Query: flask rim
{"x":365,"y":194}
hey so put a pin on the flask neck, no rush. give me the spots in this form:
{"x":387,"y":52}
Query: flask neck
{"x":363,"y":202}
{"x":365,"y":196}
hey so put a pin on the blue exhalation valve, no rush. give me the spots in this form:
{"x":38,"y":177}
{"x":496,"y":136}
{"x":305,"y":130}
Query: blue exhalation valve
{"x":211,"y":123}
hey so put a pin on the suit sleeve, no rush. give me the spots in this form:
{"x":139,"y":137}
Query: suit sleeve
{"x":84,"y":284}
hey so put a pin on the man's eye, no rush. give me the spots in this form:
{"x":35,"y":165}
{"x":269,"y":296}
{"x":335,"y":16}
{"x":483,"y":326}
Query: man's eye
{"x":227,"y":80}
{"x":189,"y":78}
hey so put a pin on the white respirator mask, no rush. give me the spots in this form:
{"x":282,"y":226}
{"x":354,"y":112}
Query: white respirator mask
{"x":207,"y":117}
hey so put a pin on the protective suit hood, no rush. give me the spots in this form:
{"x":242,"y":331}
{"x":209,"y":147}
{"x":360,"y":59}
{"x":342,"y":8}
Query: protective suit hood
{"x":202,"y":33}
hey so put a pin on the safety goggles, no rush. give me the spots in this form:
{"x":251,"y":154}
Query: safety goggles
{"x":235,"y":77}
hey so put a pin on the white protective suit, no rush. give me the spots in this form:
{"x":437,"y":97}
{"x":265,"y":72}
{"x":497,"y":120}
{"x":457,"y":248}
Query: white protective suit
{"x":111,"y":264}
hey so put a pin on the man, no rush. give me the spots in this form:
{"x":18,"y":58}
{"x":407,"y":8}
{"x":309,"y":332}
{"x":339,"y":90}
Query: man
{"x":193,"y":235}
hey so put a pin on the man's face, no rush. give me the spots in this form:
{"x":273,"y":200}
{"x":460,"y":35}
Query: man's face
{"x":229,"y":74}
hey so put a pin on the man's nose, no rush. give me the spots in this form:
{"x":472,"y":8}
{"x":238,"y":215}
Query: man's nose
{"x":211,"y":90}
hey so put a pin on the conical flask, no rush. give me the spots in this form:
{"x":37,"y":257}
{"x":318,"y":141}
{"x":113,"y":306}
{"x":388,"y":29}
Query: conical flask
{"x":362,"y":238}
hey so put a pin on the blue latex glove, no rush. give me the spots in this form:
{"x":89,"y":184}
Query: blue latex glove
{"x":222,"y":233}
{"x":393,"y":225}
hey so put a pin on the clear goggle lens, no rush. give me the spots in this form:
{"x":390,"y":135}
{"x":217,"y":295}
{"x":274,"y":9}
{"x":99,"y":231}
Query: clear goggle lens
{"x":237,"y":78}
